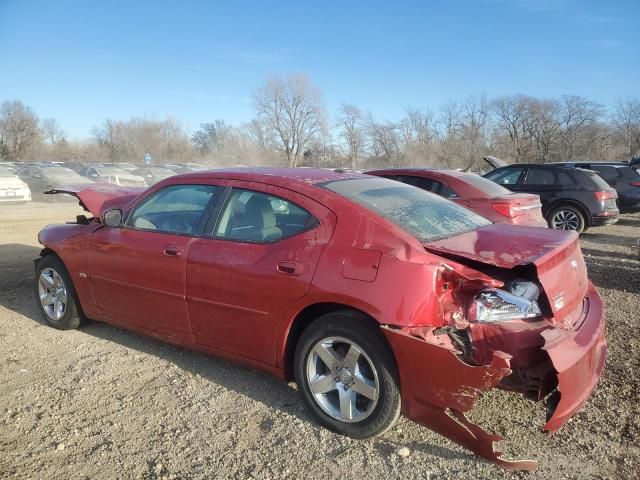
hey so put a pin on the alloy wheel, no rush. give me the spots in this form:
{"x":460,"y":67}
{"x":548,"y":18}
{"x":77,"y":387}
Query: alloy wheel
{"x":342,"y":379}
{"x":565,"y":220}
{"x":52,"y":293}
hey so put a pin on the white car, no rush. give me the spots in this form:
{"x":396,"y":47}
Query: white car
{"x":12,"y":189}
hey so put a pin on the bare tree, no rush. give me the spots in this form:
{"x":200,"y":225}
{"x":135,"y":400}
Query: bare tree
{"x":52,"y":132}
{"x":419,"y":134}
{"x":627,"y":119}
{"x":352,"y":132}
{"x":19,"y":130}
{"x":293,"y":109}
{"x":513,"y":113}
{"x":543,"y":125}
{"x":576,"y":115}
{"x":211,"y":137}
{"x":384,"y":142}
{"x":129,"y":141}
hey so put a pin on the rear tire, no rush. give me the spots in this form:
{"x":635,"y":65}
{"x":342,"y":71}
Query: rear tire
{"x":567,"y":217}
{"x":347,"y":376}
{"x":55,"y":294}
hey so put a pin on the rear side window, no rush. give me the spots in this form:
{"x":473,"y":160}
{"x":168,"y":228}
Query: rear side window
{"x":491,"y":189}
{"x":591,"y":180}
{"x":174,"y":209}
{"x":540,"y":176}
{"x":256,"y":217}
{"x":420,"y":182}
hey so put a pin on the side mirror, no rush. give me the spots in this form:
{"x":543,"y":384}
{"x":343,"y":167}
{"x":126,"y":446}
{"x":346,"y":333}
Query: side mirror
{"x":112,"y":218}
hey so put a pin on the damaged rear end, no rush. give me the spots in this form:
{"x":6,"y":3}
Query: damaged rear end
{"x":528,"y":322}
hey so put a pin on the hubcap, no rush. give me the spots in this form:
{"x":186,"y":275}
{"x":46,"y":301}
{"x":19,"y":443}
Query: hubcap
{"x":342,"y":379}
{"x":565,"y":220}
{"x":52,"y":293}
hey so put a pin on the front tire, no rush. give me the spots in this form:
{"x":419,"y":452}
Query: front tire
{"x":56,"y":296}
{"x":347,"y":376}
{"x":567,"y":217}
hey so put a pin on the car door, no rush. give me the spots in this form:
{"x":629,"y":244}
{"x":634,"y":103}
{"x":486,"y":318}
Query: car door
{"x":137,"y":271}
{"x":543,"y":181}
{"x":258,"y":258}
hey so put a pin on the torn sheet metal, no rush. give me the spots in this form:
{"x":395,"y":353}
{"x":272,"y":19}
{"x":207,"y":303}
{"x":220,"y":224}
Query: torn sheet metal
{"x":438,"y":397}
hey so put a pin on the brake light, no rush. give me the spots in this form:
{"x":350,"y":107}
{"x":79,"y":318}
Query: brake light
{"x":635,"y":184}
{"x":605,"y":195}
{"x":506,"y":209}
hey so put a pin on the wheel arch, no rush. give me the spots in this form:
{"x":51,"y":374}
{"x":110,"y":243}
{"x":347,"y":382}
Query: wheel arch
{"x":313,"y":312}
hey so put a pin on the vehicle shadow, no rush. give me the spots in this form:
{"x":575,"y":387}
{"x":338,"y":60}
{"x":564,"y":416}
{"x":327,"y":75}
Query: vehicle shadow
{"x":629,"y":221}
{"x":16,"y":294}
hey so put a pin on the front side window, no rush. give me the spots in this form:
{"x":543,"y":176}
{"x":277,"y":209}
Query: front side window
{"x":256,"y":217}
{"x":424,"y":215}
{"x":508,"y":176}
{"x":175,"y":209}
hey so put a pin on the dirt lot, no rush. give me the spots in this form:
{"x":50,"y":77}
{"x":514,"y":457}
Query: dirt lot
{"x":104,"y":403}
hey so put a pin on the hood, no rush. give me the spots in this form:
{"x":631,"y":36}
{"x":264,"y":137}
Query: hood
{"x":494,"y":162}
{"x":99,"y":197}
{"x":11,"y":182}
{"x":556,"y":255}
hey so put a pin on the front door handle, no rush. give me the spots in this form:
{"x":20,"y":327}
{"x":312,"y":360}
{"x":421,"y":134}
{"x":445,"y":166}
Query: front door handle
{"x":172,"y":251}
{"x":289,"y":268}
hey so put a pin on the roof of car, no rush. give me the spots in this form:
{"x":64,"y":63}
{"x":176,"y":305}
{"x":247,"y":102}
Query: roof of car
{"x":417,"y":170}
{"x":582,"y":163}
{"x":281,"y":176}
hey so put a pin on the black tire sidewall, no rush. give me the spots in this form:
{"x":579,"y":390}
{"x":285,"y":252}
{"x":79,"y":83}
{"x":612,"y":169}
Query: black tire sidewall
{"x":387,"y":410}
{"x":71,"y":318}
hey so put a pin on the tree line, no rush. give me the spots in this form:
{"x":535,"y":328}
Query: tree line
{"x":291,"y":127}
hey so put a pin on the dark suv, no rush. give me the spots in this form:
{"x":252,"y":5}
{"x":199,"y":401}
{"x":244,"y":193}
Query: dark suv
{"x":622,"y":176}
{"x":572,"y":198}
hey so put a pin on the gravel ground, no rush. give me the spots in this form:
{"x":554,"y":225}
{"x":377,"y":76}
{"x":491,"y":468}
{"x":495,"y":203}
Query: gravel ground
{"x":105,"y":403}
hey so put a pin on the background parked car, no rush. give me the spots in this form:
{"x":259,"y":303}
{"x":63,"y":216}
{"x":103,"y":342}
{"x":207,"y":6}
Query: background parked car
{"x":483,"y":196}
{"x":624,"y":177}
{"x":11,"y":167}
{"x":41,"y":179}
{"x":152,"y":175}
{"x":113,"y":175}
{"x":572,"y":198}
{"x":12,"y":189}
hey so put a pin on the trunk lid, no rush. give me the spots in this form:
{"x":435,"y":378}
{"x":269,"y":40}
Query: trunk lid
{"x":555,"y":254}
{"x":523,"y":206}
{"x":98,"y":197}
{"x":494,"y":162}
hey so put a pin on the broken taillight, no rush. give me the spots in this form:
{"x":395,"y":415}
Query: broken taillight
{"x":495,"y":305}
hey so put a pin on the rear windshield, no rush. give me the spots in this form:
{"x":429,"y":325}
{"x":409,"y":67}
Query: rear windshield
{"x":426,"y":216}
{"x":489,"y":188}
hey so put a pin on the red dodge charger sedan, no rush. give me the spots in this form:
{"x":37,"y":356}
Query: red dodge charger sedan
{"x":376,"y":297}
{"x":483,"y":196}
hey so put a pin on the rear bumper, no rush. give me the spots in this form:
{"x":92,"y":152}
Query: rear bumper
{"x":438,"y":387}
{"x":578,"y":357}
{"x":604,"y":219}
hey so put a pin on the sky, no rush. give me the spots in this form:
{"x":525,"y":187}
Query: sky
{"x":83,"y":62}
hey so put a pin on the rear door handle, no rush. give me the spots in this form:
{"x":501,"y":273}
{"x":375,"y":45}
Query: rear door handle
{"x":172,"y":251}
{"x":289,"y":268}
